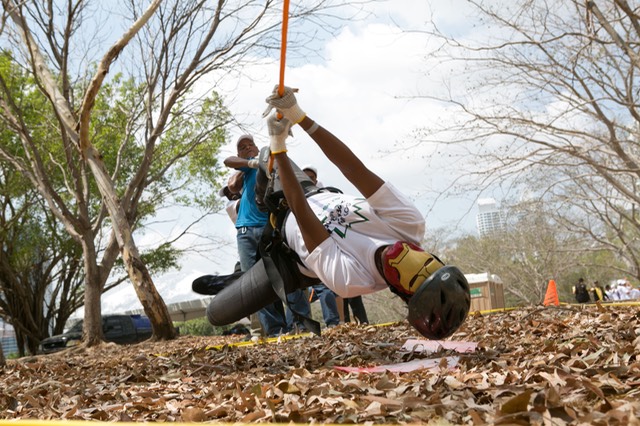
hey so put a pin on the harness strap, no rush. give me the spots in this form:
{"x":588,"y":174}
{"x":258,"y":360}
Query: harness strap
{"x":280,"y":260}
{"x":281,"y":263}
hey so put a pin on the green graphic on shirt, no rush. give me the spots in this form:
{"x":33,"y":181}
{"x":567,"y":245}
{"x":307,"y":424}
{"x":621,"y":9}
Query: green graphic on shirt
{"x":336,"y":219}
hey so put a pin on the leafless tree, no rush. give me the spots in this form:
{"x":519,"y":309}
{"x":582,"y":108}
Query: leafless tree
{"x":531,"y":250}
{"x":595,"y":214}
{"x":384,"y":306}
{"x":170,"y":46}
{"x":549,"y":87}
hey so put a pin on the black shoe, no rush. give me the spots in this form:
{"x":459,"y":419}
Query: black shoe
{"x":207,"y":284}
{"x":213,"y":284}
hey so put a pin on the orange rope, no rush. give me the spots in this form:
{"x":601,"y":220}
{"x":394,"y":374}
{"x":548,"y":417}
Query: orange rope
{"x":283,"y":45}
{"x":283,"y":61}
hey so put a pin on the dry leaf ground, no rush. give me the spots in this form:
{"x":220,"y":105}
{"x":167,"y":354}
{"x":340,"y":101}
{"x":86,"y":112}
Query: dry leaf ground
{"x":555,"y":366}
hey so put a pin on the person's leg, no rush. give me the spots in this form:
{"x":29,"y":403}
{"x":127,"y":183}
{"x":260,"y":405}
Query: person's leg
{"x":248,"y":293}
{"x":340,"y":303}
{"x":248,"y":256}
{"x":312,"y":294}
{"x":299,"y":302}
{"x":347,"y":317}
{"x":328,"y":305}
{"x":255,"y":325}
{"x":248,"y":253}
{"x":272,"y":318}
{"x":359,"y":312}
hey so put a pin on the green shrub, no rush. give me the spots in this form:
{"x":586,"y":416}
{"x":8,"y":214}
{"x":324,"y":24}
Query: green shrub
{"x":199,"y":327}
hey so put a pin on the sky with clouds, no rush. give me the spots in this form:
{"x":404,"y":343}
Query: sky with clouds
{"x":364,"y":91}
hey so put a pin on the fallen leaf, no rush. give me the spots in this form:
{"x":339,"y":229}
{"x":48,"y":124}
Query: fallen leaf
{"x":517,"y":404}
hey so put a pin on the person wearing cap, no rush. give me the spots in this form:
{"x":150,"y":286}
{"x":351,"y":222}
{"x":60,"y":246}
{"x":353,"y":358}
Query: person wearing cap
{"x":250,"y":220}
{"x":250,"y":224}
{"x":312,"y":172}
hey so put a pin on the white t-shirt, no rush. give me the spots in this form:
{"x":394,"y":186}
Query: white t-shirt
{"x":232,"y":210}
{"x":345,"y":262}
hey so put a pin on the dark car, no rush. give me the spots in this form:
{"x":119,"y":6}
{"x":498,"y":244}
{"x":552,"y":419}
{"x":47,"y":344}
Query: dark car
{"x":122,"y":329}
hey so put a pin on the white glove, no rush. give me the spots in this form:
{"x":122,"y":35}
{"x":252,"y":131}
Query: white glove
{"x":286,"y":104}
{"x":279,"y":130}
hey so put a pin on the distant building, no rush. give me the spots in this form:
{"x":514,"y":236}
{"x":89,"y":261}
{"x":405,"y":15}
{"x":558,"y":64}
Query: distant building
{"x":489,"y":219}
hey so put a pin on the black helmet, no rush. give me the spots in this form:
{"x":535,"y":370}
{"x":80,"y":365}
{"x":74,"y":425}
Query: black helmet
{"x":441,"y":303}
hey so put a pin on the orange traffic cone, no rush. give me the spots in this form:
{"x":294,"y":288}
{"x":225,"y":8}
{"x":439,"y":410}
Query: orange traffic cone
{"x":551,"y":297}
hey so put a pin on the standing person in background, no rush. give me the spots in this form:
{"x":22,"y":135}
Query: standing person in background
{"x":312,"y":172}
{"x":358,"y":309}
{"x":581,"y":293}
{"x":611,"y":292}
{"x":250,"y":220}
{"x":624,"y":289}
{"x":249,"y":225}
{"x":634,"y":294}
{"x":598,"y":292}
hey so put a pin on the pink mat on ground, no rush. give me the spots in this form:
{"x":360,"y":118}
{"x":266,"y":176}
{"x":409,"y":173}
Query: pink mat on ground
{"x":428,"y":346}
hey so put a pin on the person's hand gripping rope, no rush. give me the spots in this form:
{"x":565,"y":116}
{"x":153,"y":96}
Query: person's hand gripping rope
{"x":279,"y":130}
{"x":287,"y":105}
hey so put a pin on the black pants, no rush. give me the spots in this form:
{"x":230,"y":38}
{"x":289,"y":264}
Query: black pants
{"x":357,"y":306}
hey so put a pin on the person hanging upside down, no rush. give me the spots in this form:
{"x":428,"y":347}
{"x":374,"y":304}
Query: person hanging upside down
{"x":355,"y":245}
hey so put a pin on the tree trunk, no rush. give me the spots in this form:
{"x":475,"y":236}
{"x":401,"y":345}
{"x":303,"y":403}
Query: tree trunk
{"x":92,"y":325}
{"x":2,"y":360}
{"x":153,"y":305}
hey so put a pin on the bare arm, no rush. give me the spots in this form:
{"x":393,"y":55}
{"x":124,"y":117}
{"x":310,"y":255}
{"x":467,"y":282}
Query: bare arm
{"x":236,"y":162}
{"x":339,"y":154}
{"x":312,"y":230}
{"x":235,"y":182}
